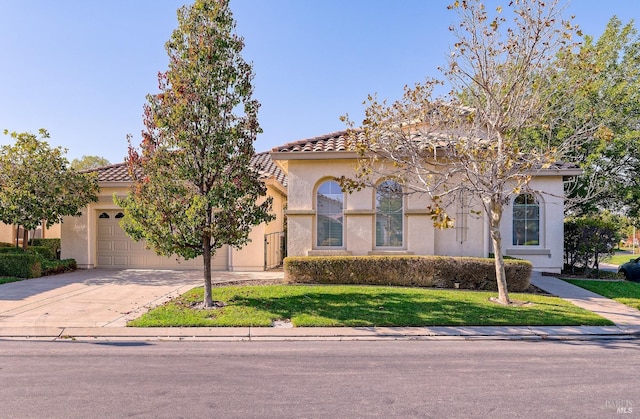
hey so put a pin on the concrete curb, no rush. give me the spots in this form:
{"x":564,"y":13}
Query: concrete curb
{"x":320,"y":333}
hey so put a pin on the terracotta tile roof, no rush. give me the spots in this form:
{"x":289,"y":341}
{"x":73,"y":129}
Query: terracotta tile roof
{"x":335,"y":141}
{"x":262,"y":161}
{"x":113,"y":173}
{"x":267,"y":168}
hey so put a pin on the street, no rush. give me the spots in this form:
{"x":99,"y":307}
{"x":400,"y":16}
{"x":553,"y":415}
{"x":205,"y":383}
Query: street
{"x":458,"y":378}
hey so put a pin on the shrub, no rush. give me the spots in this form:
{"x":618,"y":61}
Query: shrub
{"x":3,"y":244}
{"x":420,"y":271}
{"x":21,"y":265}
{"x":52,"y":244}
{"x":43,"y":251}
{"x":11,"y":249}
{"x":53,"y":267}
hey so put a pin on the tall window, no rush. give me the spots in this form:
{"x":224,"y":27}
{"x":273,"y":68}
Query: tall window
{"x":526,"y":221}
{"x":389,"y":214}
{"x":329,"y":205}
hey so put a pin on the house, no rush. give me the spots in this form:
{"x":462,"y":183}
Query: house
{"x":11,"y":233}
{"x":324,"y":220}
{"x":96,"y":240}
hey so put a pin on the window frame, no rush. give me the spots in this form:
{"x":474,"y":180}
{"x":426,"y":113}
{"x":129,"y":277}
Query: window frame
{"x":525,"y":220}
{"x":318,"y":214}
{"x":387,"y":240}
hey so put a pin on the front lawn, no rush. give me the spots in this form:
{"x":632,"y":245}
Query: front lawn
{"x":343,"y":305}
{"x":625,"y":292}
{"x":7,"y":279}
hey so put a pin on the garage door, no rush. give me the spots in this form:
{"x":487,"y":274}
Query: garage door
{"x":116,"y":250}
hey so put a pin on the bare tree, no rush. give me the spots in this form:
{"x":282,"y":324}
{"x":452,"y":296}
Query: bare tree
{"x":487,"y":138}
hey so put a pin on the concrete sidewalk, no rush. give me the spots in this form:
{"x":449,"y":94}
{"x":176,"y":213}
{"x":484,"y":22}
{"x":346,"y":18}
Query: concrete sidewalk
{"x":94,"y":305}
{"x":623,"y":316}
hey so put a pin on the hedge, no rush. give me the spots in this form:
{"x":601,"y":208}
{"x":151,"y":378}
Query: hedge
{"x":20,"y":265}
{"x":416,"y":271}
{"x":52,"y":244}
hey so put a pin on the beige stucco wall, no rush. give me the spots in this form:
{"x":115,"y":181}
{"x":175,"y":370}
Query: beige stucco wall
{"x":252,"y":256}
{"x":470,"y":237}
{"x":78,"y":234}
{"x":8,"y":233}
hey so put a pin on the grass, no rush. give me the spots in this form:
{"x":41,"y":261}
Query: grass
{"x":342,"y":305}
{"x":619,"y":258}
{"x":625,"y":292}
{"x":7,"y":279}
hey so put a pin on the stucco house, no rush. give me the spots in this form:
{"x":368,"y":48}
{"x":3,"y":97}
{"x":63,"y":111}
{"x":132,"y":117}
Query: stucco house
{"x":324,"y":220}
{"x":96,"y":240}
{"x":11,"y":233}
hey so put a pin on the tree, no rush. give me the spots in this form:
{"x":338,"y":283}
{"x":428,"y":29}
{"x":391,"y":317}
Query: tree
{"x":36,"y":184}
{"x":194,"y":190}
{"x":588,"y":239}
{"x":611,"y":99}
{"x":89,"y":162}
{"x":475,"y":141}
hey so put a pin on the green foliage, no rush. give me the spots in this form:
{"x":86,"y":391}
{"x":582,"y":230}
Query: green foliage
{"x":421,"y":271}
{"x":37,"y":185}
{"x":21,"y":265}
{"x":195,"y":190}
{"x":588,"y":239}
{"x":607,"y":103}
{"x":56,"y":266}
{"x":88,"y":162}
{"x":52,"y":244}
{"x":2,"y":244}
{"x":11,"y":249}
{"x":43,"y":251}
{"x":347,"y":305}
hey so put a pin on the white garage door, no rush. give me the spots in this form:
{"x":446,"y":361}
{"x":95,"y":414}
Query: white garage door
{"x":117,"y":250}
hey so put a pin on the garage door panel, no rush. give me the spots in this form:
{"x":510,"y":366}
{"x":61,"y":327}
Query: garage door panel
{"x":105,"y":245}
{"x":116,"y":250}
{"x":122,"y":245}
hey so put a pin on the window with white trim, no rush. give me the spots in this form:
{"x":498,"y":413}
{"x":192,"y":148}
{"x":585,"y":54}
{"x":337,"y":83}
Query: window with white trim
{"x":526,"y":221}
{"x":329,"y":215}
{"x":389,"y":214}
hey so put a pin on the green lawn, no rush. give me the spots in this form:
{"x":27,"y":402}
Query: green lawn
{"x":342,"y":305}
{"x":620,"y":257}
{"x":7,"y":279}
{"x":627,"y":293}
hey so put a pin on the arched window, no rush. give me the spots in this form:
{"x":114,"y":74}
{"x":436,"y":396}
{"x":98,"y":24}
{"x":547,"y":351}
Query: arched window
{"x":329,"y":215}
{"x":389,"y":220}
{"x":526,"y":221}
{"x":104,"y":215}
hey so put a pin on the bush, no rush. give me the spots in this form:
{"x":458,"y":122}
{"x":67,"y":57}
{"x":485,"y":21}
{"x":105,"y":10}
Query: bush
{"x":43,"y":251}
{"x":53,"y":267}
{"x":11,"y":249}
{"x":3,"y":244}
{"x":20,"y":265}
{"x":416,"y":271}
{"x":52,"y":244}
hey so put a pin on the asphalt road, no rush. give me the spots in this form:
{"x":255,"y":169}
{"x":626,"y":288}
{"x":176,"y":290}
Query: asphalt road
{"x":443,"y":379}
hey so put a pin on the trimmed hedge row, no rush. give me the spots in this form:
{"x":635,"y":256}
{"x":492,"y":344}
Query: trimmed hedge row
{"x":52,"y":244}
{"x":20,"y":265}
{"x":414,"y":271}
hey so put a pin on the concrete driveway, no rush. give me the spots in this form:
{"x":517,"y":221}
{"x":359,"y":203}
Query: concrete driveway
{"x":98,"y":297}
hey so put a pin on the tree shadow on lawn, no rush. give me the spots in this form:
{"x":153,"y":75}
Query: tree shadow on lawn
{"x":445,"y":308}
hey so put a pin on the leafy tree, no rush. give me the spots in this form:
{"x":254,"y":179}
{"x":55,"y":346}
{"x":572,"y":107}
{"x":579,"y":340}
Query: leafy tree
{"x":608,"y":75}
{"x":194,"y":189}
{"x":475,"y":141}
{"x":89,"y":162}
{"x":588,"y":239}
{"x":36,"y":184}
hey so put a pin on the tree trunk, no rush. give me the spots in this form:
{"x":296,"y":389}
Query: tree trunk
{"x":206,"y":255}
{"x":495,"y":217}
{"x":25,"y":238}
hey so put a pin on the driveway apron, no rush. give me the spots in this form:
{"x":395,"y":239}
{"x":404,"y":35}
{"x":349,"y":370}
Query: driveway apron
{"x":90,"y":298}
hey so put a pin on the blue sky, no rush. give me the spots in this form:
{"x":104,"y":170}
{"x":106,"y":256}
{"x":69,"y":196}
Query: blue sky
{"x":82,"y":69}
